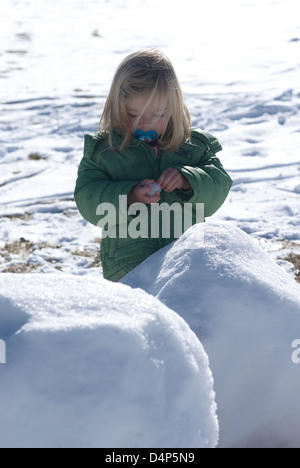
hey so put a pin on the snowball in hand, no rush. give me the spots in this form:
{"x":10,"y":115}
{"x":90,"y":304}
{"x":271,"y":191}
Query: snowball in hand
{"x":154,"y":189}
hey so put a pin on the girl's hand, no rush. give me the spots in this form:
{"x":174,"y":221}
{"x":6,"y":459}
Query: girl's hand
{"x":139,"y":194}
{"x":171,"y":179}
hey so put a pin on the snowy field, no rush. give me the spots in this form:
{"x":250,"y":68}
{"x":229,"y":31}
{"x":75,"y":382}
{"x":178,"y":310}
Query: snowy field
{"x":238,"y":62}
{"x":245,"y":309}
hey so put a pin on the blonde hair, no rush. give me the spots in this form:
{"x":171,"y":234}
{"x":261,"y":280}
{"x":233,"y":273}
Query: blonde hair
{"x":146,"y":71}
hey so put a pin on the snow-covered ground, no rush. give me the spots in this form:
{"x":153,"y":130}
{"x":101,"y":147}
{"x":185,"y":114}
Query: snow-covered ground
{"x":245,"y":309}
{"x":238,"y":62}
{"x":99,"y":366}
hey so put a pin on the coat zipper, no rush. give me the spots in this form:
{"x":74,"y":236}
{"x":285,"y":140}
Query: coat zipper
{"x":153,"y":160}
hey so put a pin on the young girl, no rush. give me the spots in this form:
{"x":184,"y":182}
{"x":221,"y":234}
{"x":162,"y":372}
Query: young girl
{"x":146,"y":142}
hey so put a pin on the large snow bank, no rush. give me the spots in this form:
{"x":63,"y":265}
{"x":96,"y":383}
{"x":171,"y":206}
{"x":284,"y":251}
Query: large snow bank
{"x":246,"y":311}
{"x":95,"y":364}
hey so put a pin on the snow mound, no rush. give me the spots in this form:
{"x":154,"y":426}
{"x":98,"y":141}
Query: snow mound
{"x":246,"y":311}
{"x":95,"y":364}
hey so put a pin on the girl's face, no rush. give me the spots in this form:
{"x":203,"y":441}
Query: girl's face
{"x":155,"y":117}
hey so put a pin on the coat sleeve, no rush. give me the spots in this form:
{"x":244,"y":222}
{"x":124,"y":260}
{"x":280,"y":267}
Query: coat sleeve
{"x":94,"y":186}
{"x":209,"y":181}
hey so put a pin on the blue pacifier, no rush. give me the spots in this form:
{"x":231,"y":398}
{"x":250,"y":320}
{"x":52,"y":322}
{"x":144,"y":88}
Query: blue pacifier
{"x":146,"y":136}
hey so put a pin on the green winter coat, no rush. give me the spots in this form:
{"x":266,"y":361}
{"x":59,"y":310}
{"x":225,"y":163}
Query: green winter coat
{"x":105,"y":174}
